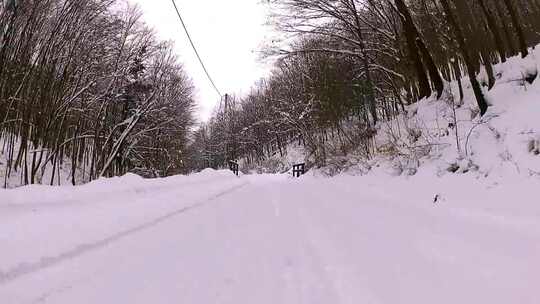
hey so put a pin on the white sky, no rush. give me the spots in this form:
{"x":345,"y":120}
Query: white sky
{"x":228,"y":35}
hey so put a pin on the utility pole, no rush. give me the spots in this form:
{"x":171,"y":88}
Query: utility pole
{"x":227,"y":129}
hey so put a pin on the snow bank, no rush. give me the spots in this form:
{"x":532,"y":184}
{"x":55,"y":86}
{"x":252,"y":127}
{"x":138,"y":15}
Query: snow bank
{"x":41,"y":225}
{"x":103,"y":188}
{"x":447,"y":136}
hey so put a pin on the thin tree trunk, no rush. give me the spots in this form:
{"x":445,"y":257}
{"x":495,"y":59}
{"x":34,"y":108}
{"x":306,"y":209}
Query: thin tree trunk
{"x":517,"y":25}
{"x":480,"y":99}
{"x":371,"y":90}
{"x":508,"y":35}
{"x":494,"y":29}
{"x":424,"y":87}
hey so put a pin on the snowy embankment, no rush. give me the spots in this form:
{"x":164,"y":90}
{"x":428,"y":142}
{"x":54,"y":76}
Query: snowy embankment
{"x":447,"y":136}
{"x":216,"y":238}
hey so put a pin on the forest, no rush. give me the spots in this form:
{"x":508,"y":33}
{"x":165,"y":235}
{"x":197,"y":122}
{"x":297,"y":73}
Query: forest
{"x":86,"y":88}
{"x":344,"y":67}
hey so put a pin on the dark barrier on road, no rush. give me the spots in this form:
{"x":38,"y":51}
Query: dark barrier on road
{"x":299,"y":170}
{"x":233,"y":166}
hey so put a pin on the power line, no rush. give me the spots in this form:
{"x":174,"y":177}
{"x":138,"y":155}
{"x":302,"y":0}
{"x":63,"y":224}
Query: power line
{"x":195,"y":49}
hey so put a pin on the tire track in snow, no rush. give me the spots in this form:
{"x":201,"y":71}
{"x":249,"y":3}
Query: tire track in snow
{"x":332,"y":256}
{"x":24,"y":269}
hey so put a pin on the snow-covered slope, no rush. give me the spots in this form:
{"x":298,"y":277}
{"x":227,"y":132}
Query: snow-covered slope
{"x":448,"y":136}
{"x":216,"y":238}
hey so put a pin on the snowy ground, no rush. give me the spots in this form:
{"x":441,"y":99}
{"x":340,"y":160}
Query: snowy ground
{"x":216,"y":238}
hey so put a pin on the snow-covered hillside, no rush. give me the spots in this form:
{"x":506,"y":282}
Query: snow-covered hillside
{"x":213,"y":237}
{"x":448,"y":136}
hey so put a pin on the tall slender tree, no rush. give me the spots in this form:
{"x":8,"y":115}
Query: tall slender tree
{"x":494,"y":29}
{"x":480,"y":99}
{"x":416,"y":44}
{"x":517,"y":25}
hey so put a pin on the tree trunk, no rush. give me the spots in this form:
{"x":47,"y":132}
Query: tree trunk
{"x":480,"y":99}
{"x":492,"y":25}
{"x":517,"y":25}
{"x":469,"y":31}
{"x":432,"y":68}
{"x":489,"y":69}
{"x":365,"y":59}
{"x":509,"y":38}
{"x":414,"y":54}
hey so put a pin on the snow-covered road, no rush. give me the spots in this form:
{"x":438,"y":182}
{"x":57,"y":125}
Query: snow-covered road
{"x":215,"y":238}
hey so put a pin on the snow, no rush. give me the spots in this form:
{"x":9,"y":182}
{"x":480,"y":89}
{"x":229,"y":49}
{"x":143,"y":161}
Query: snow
{"x":293,"y":153}
{"x":440,"y":216}
{"x":213,"y":237}
{"x":447,"y":136}
{"x":498,"y":147}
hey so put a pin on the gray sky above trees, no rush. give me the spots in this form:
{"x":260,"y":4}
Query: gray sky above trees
{"x":228,"y":35}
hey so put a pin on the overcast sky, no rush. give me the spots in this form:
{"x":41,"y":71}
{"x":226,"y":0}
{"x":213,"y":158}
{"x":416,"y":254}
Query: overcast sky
{"x":228,"y":35}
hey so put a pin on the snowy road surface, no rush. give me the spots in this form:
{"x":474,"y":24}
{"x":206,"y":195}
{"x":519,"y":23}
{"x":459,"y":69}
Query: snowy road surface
{"x":215,"y":238}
